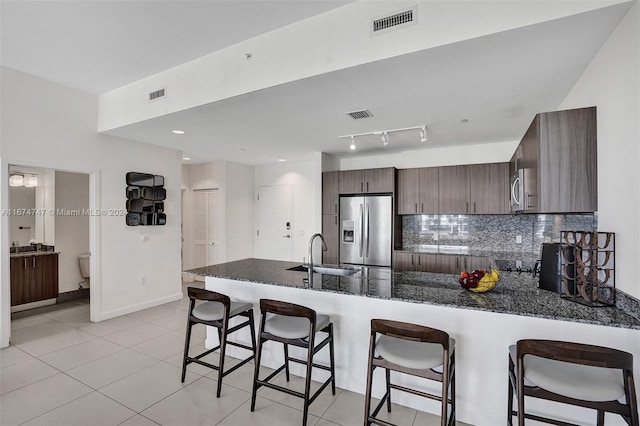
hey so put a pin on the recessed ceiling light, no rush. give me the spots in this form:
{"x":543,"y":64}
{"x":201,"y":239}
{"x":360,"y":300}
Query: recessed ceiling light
{"x":282,"y":160}
{"x":178,"y":131}
{"x":186,"y":158}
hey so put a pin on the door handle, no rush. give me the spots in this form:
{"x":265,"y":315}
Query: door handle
{"x":286,"y":236}
{"x":367,"y":228}
{"x":33,"y":261}
{"x":361,"y":229}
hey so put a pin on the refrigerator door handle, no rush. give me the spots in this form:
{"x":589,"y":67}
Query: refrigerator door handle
{"x":361,"y":219}
{"x":366,"y":210}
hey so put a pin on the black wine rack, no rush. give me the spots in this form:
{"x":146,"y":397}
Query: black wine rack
{"x":588,"y":267}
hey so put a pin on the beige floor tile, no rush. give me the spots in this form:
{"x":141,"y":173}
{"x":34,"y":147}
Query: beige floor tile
{"x":196,"y":404}
{"x":176,"y":321}
{"x":72,"y":313}
{"x":136,"y":335}
{"x":267,"y":413}
{"x":18,"y":323}
{"x":93,"y":409}
{"x":37,"y":331}
{"x":108,"y":369}
{"x":163,"y":346}
{"x":152,"y":314}
{"x":198,"y":369}
{"x":323,"y":422}
{"x":317,"y":408}
{"x":12,"y":355}
{"x":348,"y":409}
{"x":38,"y":398}
{"x":110,"y":326}
{"x":144,"y":388}
{"x":74,"y":356}
{"x":242,"y":378}
{"x":138,"y":420}
{"x":24,"y":373}
{"x":428,"y":419}
{"x":55,"y":341}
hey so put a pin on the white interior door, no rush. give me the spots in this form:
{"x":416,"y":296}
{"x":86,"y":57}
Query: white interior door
{"x":206,"y":221}
{"x":275,"y":228}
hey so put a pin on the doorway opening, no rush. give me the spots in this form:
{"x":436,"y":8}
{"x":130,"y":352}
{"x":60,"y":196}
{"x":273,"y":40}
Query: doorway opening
{"x":49,"y":233}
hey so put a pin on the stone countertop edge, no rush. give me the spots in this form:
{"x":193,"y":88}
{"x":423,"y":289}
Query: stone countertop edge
{"x":33,"y":253}
{"x":515,"y":294}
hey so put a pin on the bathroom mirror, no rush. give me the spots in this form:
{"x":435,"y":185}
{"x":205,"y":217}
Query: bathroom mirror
{"x":29,"y":206}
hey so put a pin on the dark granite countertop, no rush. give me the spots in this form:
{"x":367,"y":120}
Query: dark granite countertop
{"x":515,"y":294}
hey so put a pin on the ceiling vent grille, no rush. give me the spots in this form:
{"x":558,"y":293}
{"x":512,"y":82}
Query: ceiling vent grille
{"x":158,"y":94}
{"x":357,"y":115}
{"x":392,"y":22}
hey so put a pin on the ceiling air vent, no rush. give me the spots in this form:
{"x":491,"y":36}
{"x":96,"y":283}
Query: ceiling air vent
{"x":158,"y":94}
{"x":357,"y":115}
{"x":396,"y":21}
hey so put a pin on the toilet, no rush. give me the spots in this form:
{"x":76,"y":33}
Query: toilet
{"x":85,"y":265}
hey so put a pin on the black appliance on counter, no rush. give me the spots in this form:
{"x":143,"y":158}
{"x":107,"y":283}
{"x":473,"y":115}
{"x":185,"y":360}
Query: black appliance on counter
{"x":550,"y":269}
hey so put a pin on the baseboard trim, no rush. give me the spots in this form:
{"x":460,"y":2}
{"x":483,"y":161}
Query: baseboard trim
{"x":73,"y":295}
{"x":139,"y":307}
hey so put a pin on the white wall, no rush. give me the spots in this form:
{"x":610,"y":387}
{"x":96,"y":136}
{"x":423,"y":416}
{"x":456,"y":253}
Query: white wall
{"x":72,"y":232}
{"x":612,"y":83}
{"x":235,"y":185}
{"x":47,"y":125}
{"x":305,"y":177}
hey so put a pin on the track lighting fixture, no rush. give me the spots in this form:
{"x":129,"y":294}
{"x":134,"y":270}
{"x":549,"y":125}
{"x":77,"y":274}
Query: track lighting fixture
{"x":423,"y":134}
{"x":384,"y":135}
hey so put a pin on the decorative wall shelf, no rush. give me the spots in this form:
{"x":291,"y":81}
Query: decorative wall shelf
{"x":145,"y":199}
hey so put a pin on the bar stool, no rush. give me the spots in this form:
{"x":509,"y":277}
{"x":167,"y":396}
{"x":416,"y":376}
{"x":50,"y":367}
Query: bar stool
{"x":216,"y":311}
{"x":296,"y":325}
{"x":572,"y":373}
{"x":415,"y":350}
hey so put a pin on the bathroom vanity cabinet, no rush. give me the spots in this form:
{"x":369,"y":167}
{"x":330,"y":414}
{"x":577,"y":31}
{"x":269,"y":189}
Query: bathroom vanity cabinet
{"x":33,"y":278}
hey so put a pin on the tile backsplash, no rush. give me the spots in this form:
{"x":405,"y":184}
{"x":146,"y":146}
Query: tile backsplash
{"x":491,"y":233}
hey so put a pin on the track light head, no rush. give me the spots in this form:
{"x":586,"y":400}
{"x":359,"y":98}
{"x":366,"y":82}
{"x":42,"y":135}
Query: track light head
{"x":385,"y":138}
{"x":423,"y":134}
{"x":353,"y":143}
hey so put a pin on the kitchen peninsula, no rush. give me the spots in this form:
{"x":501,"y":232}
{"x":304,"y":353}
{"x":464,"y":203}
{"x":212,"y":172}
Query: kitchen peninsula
{"x":484,"y":325}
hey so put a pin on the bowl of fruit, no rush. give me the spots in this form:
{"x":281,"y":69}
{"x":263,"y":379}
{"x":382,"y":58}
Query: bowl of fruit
{"x":479,"y":280}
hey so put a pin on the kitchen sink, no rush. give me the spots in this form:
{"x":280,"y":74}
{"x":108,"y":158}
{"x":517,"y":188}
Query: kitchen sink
{"x":327,"y":269}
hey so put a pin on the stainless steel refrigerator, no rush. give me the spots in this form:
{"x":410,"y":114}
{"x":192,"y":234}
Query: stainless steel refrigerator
{"x":366,"y":230}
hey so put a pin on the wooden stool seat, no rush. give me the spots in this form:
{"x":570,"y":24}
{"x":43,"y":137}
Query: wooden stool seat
{"x":410,"y":354}
{"x":216,"y":311}
{"x":296,"y":325}
{"x":293,"y":327}
{"x":588,"y":376}
{"x":414,"y":350}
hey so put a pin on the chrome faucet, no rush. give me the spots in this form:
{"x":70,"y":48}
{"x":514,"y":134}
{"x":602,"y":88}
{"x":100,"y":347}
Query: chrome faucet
{"x":324,"y":246}
{"x":310,"y":265}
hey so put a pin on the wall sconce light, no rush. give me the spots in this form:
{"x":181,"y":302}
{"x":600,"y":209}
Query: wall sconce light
{"x":30,"y":181}
{"x":16,"y":179}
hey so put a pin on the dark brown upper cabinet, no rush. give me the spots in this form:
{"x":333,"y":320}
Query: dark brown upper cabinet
{"x":489,"y":188}
{"x":418,"y":191}
{"x":367,"y":181}
{"x":330,"y":192}
{"x":557,"y":161}
{"x":453,"y":189}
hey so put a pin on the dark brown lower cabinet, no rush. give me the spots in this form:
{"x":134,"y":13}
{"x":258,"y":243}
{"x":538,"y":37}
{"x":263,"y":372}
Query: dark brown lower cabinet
{"x":454,"y":264}
{"x":33,"y":278}
{"x":421,"y":262}
{"x":438,"y":263}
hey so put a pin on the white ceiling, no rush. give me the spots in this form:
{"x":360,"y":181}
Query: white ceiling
{"x":497,"y":82}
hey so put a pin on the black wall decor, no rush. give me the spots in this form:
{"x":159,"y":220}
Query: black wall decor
{"x":145,"y":199}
